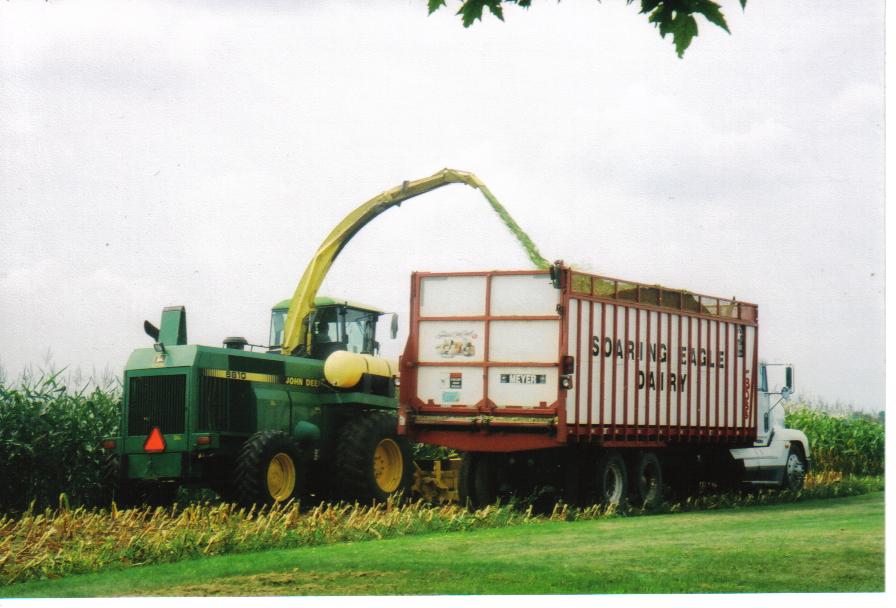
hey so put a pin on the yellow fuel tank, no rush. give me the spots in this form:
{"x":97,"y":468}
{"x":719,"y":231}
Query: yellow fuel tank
{"x":344,"y":369}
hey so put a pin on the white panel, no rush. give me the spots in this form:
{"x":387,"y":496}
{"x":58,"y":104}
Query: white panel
{"x":738,"y":375}
{"x":657,"y":378}
{"x":582,"y":357}
{"x":522,"y":386}
{"x":459,"y":296}
{"x":535,"y":341}
{"x":524,"y":294}
{"x":748,"y":357}
{"x":688,"y":399}
{"x":727,"y":381}
{"x":641,"y":386}
{"x":573,"y":329}
{"x":711,"y":374}
{"x":451,"y":340}
{"x":601,"y":353}
{"x":670,"y":368}
{"x":704,"y":375}
{"x":450,"y":386}
{"x":628,"y":364}
{"x":618,"y":364}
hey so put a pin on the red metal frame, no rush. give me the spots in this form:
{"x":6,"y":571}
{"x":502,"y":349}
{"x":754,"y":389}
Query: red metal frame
{"x":485,"y":426}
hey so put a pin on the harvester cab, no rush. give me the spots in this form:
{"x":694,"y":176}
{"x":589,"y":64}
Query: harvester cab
{"x":333,"y":325}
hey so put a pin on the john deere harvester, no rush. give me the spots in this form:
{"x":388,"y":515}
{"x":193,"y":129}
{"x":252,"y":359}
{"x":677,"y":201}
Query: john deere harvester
{"x":313,"y":413}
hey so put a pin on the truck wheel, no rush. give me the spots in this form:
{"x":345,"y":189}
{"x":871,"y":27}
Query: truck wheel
{"x":372,"y":461}
{"x":268,"y":469}
{"x":646,"y":484}
{"x":794,"y":470}
{"x":478,"y":481}
{"x":612,"y":479}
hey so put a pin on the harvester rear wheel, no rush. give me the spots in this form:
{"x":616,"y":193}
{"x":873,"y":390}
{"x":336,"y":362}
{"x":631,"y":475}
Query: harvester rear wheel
{"x":123,"y":495}
{"x":268,"y":469}
{"x":127,"y":494}
{"x":373,"y":462}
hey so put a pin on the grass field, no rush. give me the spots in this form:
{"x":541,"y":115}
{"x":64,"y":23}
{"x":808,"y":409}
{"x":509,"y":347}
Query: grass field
{"x":827,"y":545}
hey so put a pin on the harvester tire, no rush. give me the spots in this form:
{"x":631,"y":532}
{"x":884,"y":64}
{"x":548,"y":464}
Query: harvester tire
{"x":268,"y":469}
{"x":612,"y":479}
{"x":372,"y":461}
{"x":114,"y":490}
{"x":646,"y":483}
{"x":127,"y":494}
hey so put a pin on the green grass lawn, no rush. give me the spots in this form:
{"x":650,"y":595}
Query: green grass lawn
{"x":827,"y":545}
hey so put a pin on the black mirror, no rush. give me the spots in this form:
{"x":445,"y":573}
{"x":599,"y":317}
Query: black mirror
{"x":393,"y":327}
{"x":151,"y":330}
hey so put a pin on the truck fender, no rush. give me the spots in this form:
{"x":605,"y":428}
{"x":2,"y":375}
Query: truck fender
{"x":306,"y":433}
{"x":791,"y":436}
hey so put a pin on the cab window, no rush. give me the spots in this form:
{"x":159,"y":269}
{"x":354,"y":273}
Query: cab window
{"x":278,"y":319}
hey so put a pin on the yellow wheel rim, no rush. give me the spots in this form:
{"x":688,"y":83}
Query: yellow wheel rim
{"x":388,"y":465}
{"x":281,"y":477}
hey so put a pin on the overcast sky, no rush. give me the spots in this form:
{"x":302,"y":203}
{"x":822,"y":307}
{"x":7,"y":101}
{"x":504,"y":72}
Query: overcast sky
{"x":159,"y":153}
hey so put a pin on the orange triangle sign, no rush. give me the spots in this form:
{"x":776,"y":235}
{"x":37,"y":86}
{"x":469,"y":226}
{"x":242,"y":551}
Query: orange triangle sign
{"x":155,"y":442}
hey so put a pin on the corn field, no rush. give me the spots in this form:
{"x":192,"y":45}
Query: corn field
{"x":64,"y":541}
{"x":50,"y":442}
{"x":848,"y":443}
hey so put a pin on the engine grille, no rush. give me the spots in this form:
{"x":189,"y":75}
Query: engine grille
{"x":156,"y":401}
{"x":225,"y":405}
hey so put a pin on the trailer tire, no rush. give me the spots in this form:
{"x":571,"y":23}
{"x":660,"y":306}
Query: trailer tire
{"x":646,"y":484}
{"x":612,"y":479}
{"x":465,"y":481}
{"x":373,"y":462}
{"x":268,"y":469}
{"x":794,"y":469}
{"x":477,"y":485}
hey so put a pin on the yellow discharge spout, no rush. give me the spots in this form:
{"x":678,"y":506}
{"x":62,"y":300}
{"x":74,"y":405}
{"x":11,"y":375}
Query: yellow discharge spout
{"x":302,"y":303}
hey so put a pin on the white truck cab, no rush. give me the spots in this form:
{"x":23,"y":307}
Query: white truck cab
{"x":779,"y":456}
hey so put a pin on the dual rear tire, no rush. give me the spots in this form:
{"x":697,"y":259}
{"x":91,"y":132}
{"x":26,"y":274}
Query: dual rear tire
{"x":612,"y":480}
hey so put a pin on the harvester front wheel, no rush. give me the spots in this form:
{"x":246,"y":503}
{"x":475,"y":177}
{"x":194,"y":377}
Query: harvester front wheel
{"x":268,"y":469}
{"x":372,"y":461}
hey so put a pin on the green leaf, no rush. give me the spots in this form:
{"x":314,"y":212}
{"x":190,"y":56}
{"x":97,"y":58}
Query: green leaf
{"x":435,"y":5}
{"x":470,"y":11}
{"x":685,"y":28}
{"x":495,"y":7}
{"x":713,"y":13}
